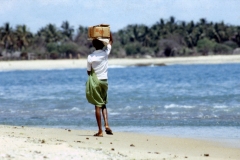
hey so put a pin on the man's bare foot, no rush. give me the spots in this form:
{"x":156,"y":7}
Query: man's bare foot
{"x":99,"y":134}
{"x":108,"y":131}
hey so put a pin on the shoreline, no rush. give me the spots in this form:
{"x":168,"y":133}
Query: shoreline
{"x":81,"y":63}
{"x":20,"y":142}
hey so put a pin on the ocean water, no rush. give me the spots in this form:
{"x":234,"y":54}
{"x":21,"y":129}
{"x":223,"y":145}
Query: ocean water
{"x":180,"y":100}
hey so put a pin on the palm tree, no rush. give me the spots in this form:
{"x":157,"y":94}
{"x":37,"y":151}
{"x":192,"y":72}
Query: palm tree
{"x":50,"y":33}
{"x":171,"y":25}
{"x":67,"y":30}
{"x":203,"y":21}
{"x":24,"y":36}
{"x":7,"y":37}
{"x":236,"y":38}
{"x":82,"y":36}
{"x":1,"y":31}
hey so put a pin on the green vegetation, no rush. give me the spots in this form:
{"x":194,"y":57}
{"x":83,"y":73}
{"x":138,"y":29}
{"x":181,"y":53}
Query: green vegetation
{"x":165,"y":38}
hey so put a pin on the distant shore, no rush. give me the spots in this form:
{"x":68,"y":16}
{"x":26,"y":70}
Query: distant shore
{"x":23,"y":143}
{"x":81,"y":63}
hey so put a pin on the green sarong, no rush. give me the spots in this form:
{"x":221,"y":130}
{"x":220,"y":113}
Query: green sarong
{"x":96,"y":90}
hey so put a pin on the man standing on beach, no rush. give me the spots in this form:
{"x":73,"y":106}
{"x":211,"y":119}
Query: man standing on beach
{"x":97,"y":84}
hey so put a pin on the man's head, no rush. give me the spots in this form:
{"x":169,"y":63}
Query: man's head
{"x":97,"y":44}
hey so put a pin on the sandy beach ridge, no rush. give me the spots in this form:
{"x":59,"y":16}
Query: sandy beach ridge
{"x":81,"y":63}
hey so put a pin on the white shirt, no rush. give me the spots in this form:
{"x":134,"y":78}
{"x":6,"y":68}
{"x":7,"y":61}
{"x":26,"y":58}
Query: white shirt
{"x":98,"y":60}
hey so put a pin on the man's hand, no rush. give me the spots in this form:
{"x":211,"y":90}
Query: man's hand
{"x":111,"y":39}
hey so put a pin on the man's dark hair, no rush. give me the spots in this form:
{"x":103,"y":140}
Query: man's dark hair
{"x":97,"y":44}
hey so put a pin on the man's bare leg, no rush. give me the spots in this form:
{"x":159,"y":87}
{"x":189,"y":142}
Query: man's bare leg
{"x":99,"y":123}
{"x":105,"y":117}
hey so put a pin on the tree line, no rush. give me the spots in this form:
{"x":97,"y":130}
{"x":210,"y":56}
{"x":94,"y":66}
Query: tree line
{"x":165,"y":38}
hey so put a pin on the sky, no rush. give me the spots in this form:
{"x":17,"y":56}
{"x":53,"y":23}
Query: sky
{"x":118,"y":13}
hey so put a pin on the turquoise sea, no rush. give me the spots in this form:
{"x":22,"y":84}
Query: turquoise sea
{"x":180,"y":100}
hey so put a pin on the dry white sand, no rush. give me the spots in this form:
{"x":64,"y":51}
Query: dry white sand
{"x":81,"y":63}
{"x":26,"y":143}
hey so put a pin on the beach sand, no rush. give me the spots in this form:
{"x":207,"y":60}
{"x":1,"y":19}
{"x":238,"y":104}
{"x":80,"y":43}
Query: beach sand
{"x":81,"y":63}
{"x":21,"y":143}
